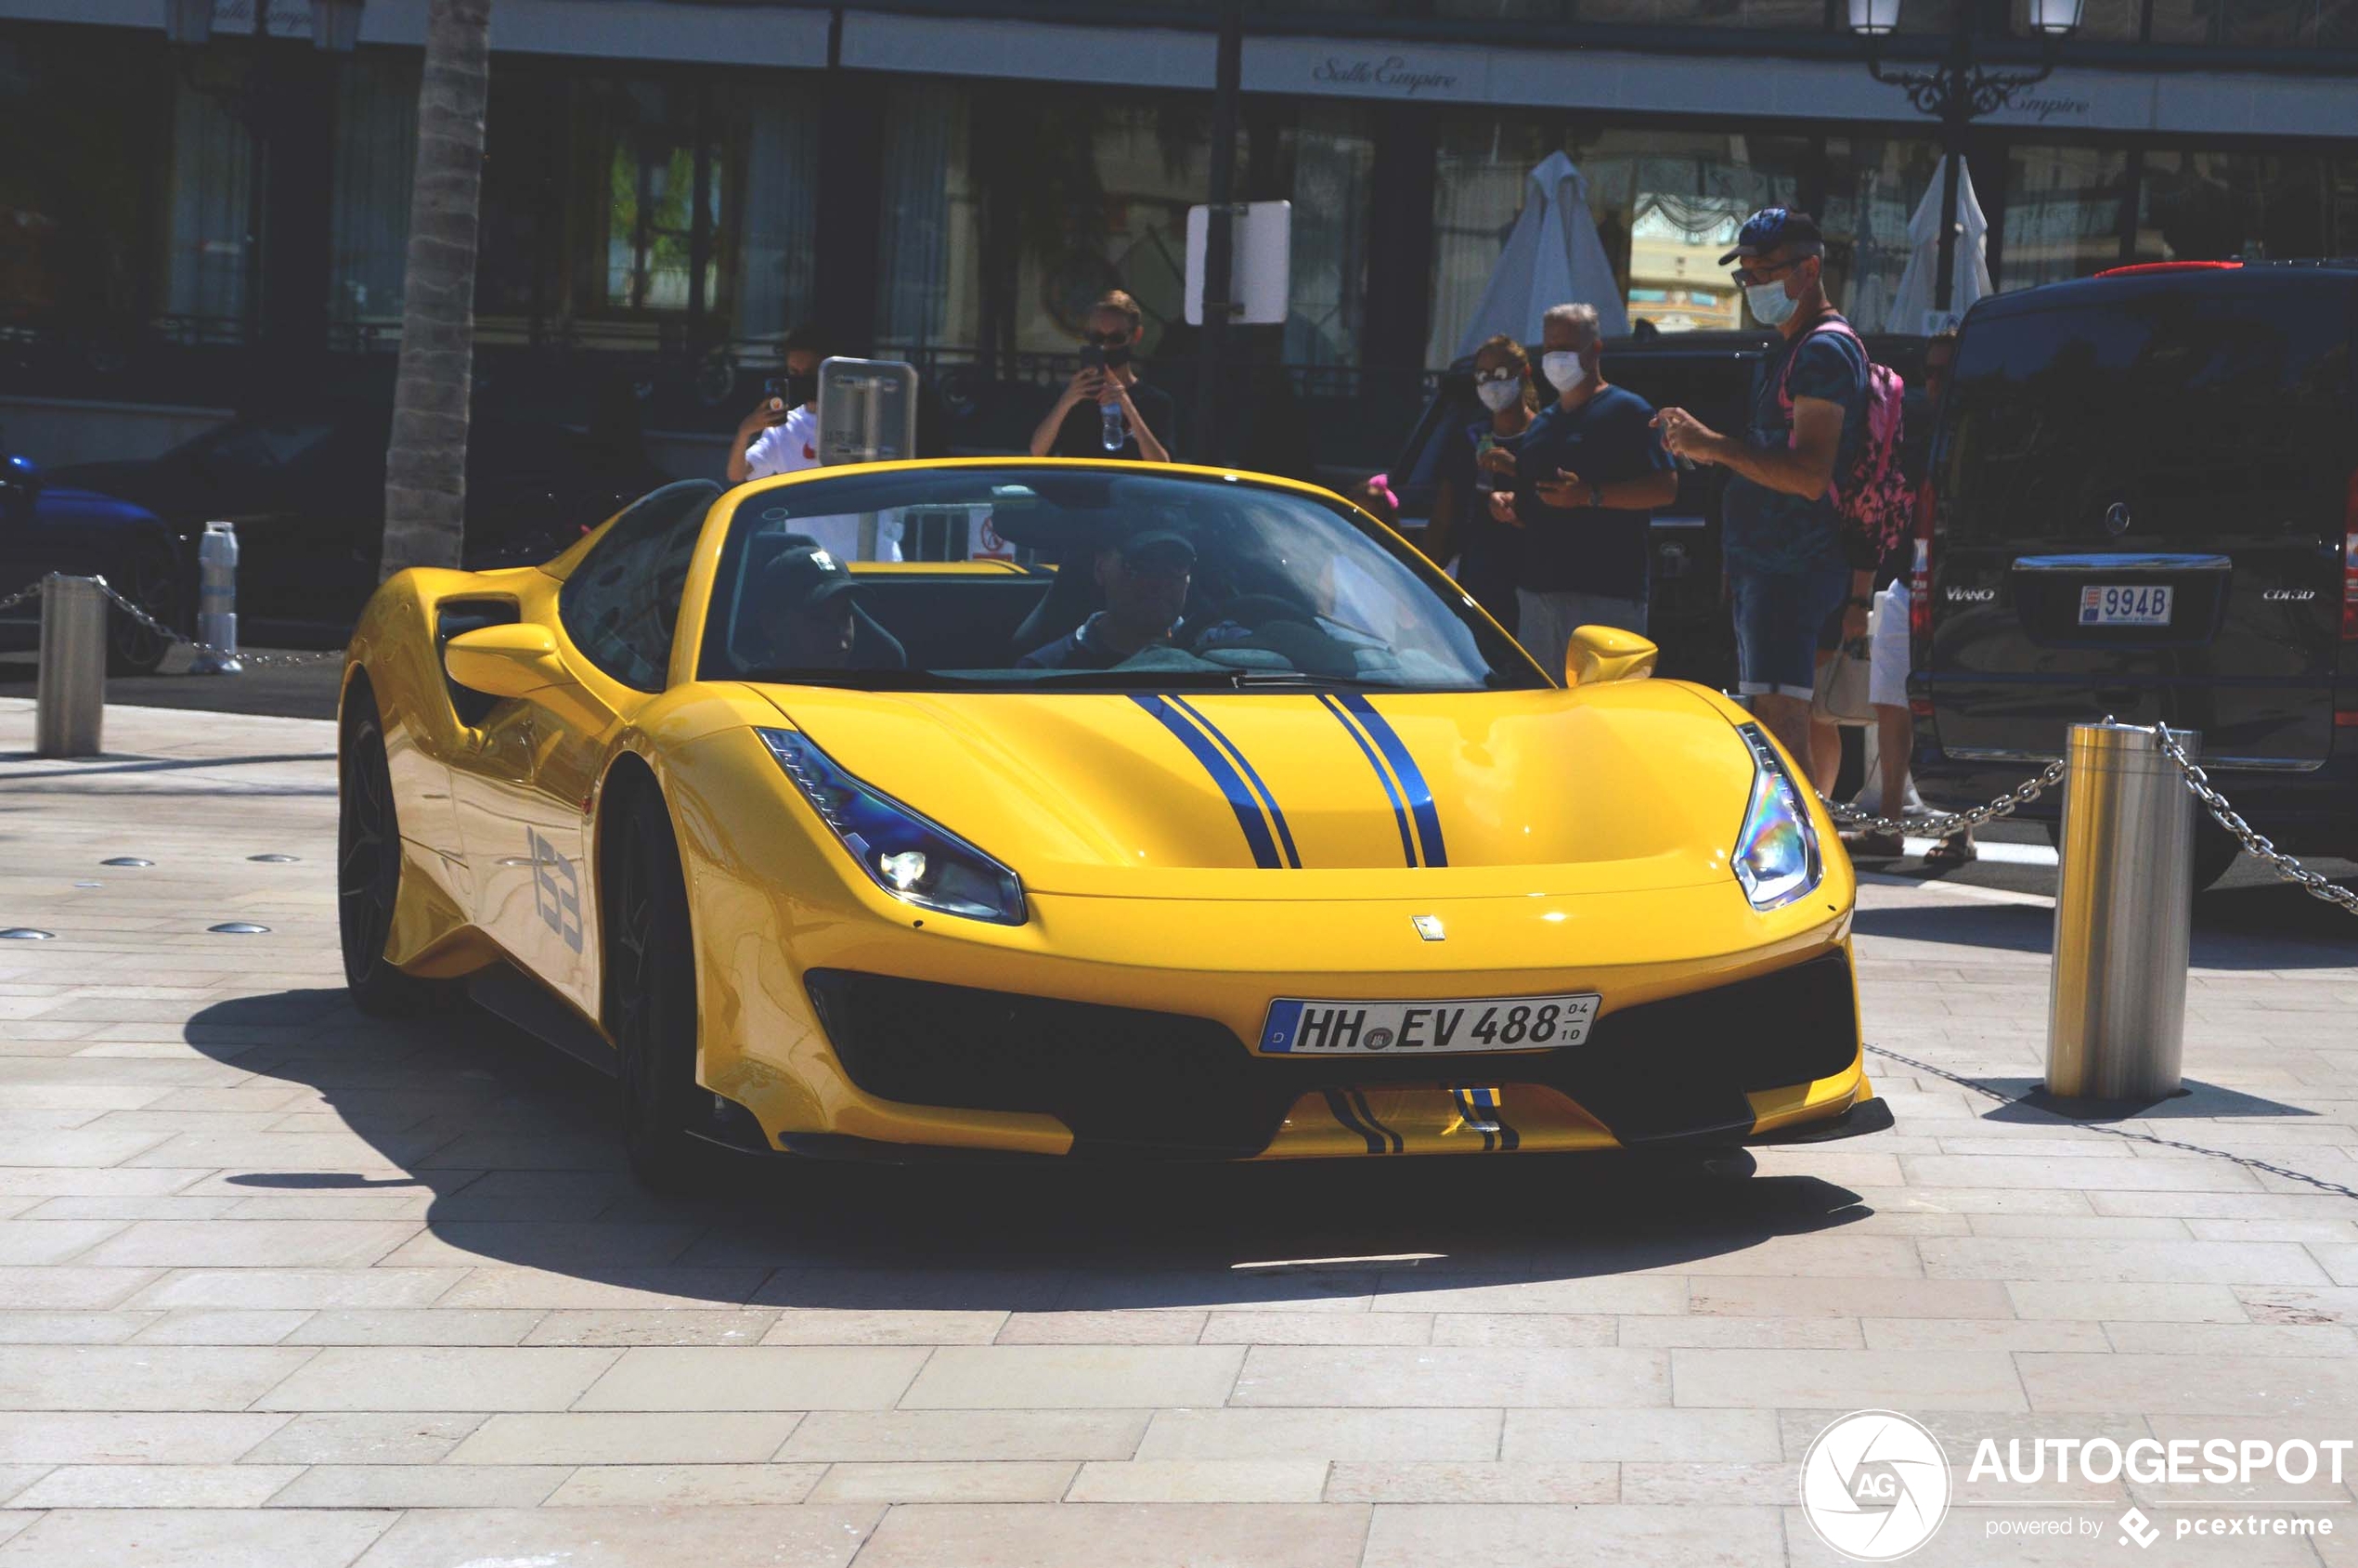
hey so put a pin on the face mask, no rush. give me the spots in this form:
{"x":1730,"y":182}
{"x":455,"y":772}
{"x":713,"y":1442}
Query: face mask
{"x":1564,"y":370}
{"x":1497,"y":396}
{"x":1770,"y":304}
{"x":801,"y":390}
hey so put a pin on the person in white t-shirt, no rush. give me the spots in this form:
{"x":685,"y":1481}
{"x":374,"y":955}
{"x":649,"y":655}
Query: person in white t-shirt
{"x":782,"y":436}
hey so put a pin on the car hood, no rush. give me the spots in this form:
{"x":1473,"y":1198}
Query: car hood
{"x":1612,"y":789}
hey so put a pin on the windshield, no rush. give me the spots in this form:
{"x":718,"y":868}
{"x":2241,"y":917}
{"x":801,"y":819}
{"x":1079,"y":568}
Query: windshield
{"x":1105,"y":578}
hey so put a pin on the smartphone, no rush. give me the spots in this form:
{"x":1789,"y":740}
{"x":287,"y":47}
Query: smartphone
{"x":1091,"y":356}
{"x":774,"y":387}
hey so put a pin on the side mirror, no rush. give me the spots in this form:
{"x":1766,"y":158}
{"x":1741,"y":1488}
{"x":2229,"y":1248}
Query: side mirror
{"x":20,"y":480}
{"x":1602,"y":653}
{"x":505,"y":661}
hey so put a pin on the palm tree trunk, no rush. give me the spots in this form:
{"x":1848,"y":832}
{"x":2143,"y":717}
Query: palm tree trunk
{"x":426,"y":463}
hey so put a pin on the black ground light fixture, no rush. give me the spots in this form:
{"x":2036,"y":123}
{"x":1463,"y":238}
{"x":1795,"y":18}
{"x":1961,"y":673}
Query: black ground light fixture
{"x":1959,"y":90}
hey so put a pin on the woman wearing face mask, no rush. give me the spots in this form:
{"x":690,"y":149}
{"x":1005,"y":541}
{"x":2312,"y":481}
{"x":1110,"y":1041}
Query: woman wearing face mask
{"x":1473,"y":465}
{"x":1104,"y":410}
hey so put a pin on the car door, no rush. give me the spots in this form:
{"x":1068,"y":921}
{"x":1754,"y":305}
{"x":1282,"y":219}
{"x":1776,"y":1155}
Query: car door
{"x":523,"y":790}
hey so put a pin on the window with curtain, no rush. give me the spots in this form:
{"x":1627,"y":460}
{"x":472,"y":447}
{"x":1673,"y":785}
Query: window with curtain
{"x":780,"y":220}
{"x":2208,"y":206}
{"x":659,"y":169}
{"x":376,"y":140}
{"x":1874,"y":185}
{"x":207,"y":213}
{"x":926,"y":297}
{"x":1667,"y":204}
{"x":1334,"y":167}
{"x":1480,"y":162}
{"x":1102,"y":203}
{"x":2063,"y":213}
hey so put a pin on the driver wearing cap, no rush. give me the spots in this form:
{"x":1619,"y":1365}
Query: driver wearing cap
{"x":1145,"y":580}
{"x":810,"y":593}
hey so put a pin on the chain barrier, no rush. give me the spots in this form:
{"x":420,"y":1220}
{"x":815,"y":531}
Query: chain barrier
{"x":2254,"y":844}
{"x":1947,"y":824}
{"x":244,"y":656}
{"x":19,"y":597}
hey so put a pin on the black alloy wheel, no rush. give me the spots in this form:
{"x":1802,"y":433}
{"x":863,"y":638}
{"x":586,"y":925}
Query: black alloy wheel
{"x":652,"y":996}
{"x":150,"y":578}
{"x":369,"y":873}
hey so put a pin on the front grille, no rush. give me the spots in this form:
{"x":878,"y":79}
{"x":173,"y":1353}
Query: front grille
{"x":1147,"y":1082}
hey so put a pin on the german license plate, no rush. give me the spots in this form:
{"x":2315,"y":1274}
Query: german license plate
{"x":1427,"y":1028}
{"x":2114,"y":605}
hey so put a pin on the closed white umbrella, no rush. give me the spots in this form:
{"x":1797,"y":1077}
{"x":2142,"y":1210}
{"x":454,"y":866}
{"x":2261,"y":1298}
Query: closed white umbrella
{"x":1970,"y":279}
{"x":1553,"y":257}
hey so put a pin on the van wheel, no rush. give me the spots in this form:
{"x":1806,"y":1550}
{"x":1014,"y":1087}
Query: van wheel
{"x":369,"y":876}
{"x":652,"y":997}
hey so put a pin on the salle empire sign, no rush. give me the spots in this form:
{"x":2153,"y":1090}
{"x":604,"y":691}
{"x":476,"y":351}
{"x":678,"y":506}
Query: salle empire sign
{"x":1393,"y":72}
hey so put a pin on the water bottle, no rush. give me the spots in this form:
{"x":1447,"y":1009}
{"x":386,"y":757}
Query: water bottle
{"x":1115,"y":433}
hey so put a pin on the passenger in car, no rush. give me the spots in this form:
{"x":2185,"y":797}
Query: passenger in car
{"x":1145,"y":581}
{"x":810,"y":594}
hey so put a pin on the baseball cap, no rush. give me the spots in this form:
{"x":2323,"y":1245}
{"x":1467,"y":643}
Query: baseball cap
{"x":804,"y":579}
{"x":1773,"y":226}
{"x":1160,"y":544}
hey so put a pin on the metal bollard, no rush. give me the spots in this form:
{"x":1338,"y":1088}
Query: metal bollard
{"x":70,"y":691}
{"x":217,"y":602}
{"x":2117,"y":1009}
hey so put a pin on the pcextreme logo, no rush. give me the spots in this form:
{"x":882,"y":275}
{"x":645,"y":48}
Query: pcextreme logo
{"x":1874,"y":1485}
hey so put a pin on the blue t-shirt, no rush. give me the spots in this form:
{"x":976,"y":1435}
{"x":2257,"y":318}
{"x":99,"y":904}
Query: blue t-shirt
{"x":1768,"y":531}
{"x":1583,"y":549}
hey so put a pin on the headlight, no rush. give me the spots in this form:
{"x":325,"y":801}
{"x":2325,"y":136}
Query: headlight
{"x":906,"y":855}
{"x":1777,"y":851}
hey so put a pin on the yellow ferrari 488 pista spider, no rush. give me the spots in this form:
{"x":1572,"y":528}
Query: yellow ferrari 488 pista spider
{"x":1155,"y":811}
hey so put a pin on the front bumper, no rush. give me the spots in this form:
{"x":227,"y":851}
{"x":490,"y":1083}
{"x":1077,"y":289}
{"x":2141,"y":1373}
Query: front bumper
{"x":1770,"y":1057}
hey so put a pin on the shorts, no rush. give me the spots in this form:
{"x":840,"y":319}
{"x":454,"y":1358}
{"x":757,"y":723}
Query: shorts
{"x":1778,"y":618}
{"x":1888,"y":655}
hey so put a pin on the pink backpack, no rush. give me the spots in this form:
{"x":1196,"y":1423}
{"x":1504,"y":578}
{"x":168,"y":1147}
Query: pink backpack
{"x":1872,"y":499}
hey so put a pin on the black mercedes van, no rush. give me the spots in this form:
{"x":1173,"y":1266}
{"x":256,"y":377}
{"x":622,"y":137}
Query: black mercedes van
{"x":2143,"y":502}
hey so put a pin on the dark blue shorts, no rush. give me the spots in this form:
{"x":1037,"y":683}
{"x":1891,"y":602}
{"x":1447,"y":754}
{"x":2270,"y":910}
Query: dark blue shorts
{"x":1778,"y":618}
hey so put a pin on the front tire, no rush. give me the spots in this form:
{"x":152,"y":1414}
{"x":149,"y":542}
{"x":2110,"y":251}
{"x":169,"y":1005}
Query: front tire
{"x":652,"y":996}
{"x":369,"y":873}
{"x":152,"y":580}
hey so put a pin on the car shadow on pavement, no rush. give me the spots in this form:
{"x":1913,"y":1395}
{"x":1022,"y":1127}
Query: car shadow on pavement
{"x":517,"y":1147}
{"x":2247,"y":927}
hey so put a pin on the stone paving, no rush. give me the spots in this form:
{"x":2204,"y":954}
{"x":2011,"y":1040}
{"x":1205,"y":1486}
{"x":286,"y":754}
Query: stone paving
{"x":283,"y":1286}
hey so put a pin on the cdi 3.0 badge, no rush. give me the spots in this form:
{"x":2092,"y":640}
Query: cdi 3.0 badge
{"x":1874,"y":1485}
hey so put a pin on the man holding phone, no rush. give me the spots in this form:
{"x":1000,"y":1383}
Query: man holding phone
{"x":1104,"y":410}
{"x":781,"y":434}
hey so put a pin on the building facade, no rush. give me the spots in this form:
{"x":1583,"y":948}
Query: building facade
{"x":670,"y":186}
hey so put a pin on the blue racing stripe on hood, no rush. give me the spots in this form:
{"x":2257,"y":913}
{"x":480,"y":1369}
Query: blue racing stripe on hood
{"x":1412,"y":778}
{"x":1232,"y":785}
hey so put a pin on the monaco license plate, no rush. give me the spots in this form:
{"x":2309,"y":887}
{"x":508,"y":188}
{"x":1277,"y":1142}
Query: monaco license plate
{"x":2115,"y":606}
{"x":1427,"y":1028}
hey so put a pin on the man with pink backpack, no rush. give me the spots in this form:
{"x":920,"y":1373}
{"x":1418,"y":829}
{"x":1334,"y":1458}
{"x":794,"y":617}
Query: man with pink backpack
{"x":1815,"y":495}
